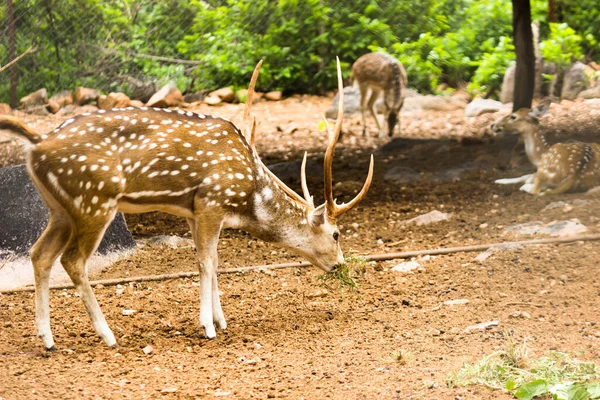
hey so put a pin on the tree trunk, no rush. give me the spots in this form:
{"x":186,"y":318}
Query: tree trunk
{"x":552,"y":17}
{"x":525,"y":70}
{"x":12,"y":70}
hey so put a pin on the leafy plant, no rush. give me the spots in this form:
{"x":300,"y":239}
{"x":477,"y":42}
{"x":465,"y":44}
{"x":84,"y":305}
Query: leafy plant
{"x":555,"y":373}
{"x":563,"y":46}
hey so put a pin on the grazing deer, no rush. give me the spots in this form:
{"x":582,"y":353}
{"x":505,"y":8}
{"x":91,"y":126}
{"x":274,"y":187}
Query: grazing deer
{"x":377,"y":72}
{"x":561,"y":167}
{"x":191,"y":165}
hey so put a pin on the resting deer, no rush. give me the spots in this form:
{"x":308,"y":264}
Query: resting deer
{"x":561,"y":167}
{"x":192,"y":165}
{"x":380,"y":72}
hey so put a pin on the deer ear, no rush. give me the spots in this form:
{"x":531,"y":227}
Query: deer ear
{"x":317,"y":216}
{"x":541,"y":109}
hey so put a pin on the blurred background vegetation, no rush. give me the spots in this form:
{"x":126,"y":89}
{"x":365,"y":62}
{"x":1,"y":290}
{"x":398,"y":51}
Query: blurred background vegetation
{"x":443,"y":44}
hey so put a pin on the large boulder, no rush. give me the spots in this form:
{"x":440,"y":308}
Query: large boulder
{"x":63,"y":98}
{"x":433,"y":103}
{"x":226,"y":94}
{"x":4,"y":109}
{"x":139,"y":90}
{"x":482,"y":106}
{"x":351,"y":103}
{"x":113,"y":100}
{"x":84,"y":95}
{"x":167,"y":96}
{"x":592,"y":93}
{"x":24,"y":216}
{"x":34,"y":100}
{"x":575,"y":81}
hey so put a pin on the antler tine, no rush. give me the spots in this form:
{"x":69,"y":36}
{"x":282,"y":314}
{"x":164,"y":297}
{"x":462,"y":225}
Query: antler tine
{"x":333,"y":138}
{"x":342,"y":208}
{"x":305,"y":191}
{"x":253,"y":132}
{"x":249,"y":127}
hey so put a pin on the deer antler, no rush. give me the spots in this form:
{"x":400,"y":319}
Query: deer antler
{"x":334,"y":210}
{"x":250,"y":126}
{"x":250,"y":134}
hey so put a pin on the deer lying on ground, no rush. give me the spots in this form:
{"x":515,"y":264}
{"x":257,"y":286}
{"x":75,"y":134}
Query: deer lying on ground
{"x":561,"y":167}
{"x":192,"y":165}
{"x":380,"y":72}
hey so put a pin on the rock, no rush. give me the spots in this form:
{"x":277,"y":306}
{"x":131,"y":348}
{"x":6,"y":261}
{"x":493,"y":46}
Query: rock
{"x":554,"y":205}
{"x":136,"y":103}
{"x":4,"y":109}
{"x":401,"y":175}
{"x":455,"y":173}
{"x":481,"y":257}
{"x":170,"y":389}
{"x":24,"y":216}
{"x":66,"y":110}
{"x":592,"y":93}
{"x":433,"y":103}
{"x":35,"y":99}
{"x":140,"y":90}
{"x":557,"y":228}
{"x":53,"y":107}
{"x":289,"y":171}
{"x":212,"y":100}
{"x":520,"y":314}
{"x":429,"y":218}
{"x":148,"y":349}
{"x":407,"y":266}
{"x":507,"y":92}
{"x":167,"y":96}
{"x":575,"y":81}
{"x":482,"y":326}
{"x":318,"y":293}
{"x":482,"y":106}
{"x":457,"y":302}
{"x":84,"y":96}
{"x":126,"y":313}
{"x":194,"y":97}
{"x":351,"y":103}
{"x":273,"y":96}
{"x":226,"y":94}
{"x":63,"y":98}
{"x":113,"y":100}
{"x":170,"y":241}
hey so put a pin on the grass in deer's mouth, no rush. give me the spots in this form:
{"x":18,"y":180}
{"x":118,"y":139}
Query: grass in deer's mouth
{"x":344,"y":274}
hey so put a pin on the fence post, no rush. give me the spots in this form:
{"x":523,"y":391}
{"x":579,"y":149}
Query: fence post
{"x":12,"y":70}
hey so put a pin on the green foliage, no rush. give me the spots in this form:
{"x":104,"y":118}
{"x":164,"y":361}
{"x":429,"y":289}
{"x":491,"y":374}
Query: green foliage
{"x":102,"y":43}
{"x":344,"y":275}
{"x":563,"y":46}
{"x":555,"y":374}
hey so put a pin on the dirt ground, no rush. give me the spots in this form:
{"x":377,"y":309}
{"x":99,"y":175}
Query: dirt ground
{"x":289,"y":336}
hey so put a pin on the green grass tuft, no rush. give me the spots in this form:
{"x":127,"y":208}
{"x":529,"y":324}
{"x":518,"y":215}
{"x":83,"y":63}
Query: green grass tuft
{"x":344,"y":275}
{"x":512,"y":370}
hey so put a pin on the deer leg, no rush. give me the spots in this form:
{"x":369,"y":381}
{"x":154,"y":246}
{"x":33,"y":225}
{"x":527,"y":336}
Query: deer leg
{"x":509,"y":181}
{"x":84,"y":240}
{"x":363,"y":97}
{"x":566,"y":185}
{"x":218,"y":316}
{"x":208,"y":227}
{"x":43,"y":254}
{"x":371,"y":105}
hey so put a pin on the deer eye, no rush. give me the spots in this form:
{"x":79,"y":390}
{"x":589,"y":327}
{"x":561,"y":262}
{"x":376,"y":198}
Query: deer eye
{"x":513,"y":117}
{"x":336,"y":236}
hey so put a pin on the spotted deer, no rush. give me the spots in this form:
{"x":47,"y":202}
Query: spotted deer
{"x":199,"y":167}
{"x":561,"y":167}
{"x":374,"y":73}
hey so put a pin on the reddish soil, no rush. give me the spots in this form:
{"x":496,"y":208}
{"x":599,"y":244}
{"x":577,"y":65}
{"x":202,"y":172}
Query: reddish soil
{"x":287,"y":337}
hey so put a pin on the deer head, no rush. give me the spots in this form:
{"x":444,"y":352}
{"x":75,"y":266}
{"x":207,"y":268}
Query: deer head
{"x":521,"y":121}
{"x":281,"y":215}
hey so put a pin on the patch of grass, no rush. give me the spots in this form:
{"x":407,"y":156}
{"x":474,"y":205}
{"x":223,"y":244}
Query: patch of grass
{"x":344,"y":275}
{"x":555,"y":374}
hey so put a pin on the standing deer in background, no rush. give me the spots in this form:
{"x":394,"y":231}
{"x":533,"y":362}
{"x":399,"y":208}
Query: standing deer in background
{"x":561,"y":167}
{"x":380,"y":72}
{"x":191,"y":165}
